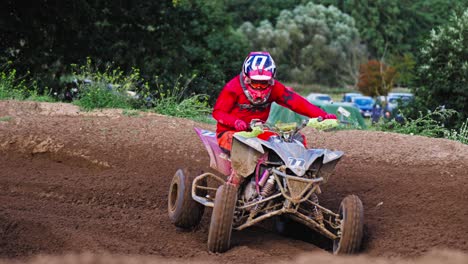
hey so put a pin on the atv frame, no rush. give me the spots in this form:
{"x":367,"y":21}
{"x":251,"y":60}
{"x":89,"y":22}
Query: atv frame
{"x":296,"y":199}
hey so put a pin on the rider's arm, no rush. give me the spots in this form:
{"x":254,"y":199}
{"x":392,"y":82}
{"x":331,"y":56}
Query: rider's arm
{"x":223,"y":106}
{"x":292,"y":100}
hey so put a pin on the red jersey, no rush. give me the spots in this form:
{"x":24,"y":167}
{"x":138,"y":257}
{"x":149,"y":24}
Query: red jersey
{"x":232,"y":104}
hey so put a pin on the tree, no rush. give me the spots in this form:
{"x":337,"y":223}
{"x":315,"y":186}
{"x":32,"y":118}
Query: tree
{"x":310,"y":43}
{"x":162,"y":38}
{"x":424,"y":15}
{"x":399,"y":25}
{"x":376,"y":78}
{"x":379,"y":22}
{"x":404,"y":65}
{"x":442,"y":72}
{"x":259,"y":10}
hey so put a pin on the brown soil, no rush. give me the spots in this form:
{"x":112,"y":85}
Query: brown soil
{"x":92,"y":186}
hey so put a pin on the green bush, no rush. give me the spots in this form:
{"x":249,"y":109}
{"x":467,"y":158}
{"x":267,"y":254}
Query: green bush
{"x":17,"y":88}
{"x":10,"y":87}
{"x":460,"y":135}
{"x":106,"y":74}
{"x":34,"y":96}
{"x":442,"y":72}
{"x":108,"y":89}
{"x":172,"y":102}
{"x":105,"y":88}
{"x":98,"y":96}
{"x":430,"y":124}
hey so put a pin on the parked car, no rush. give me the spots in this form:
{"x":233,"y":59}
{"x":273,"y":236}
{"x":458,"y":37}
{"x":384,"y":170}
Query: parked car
{"x":320,"y":97}
{"x":347,"y":97}
{"x":365,"y":104}
{"x":394,"y":98}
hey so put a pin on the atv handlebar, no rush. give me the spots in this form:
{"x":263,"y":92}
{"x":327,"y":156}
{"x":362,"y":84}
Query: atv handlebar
{"x":317,"y":123}
{"x":287,"y":131}
{"x":321,"y":124}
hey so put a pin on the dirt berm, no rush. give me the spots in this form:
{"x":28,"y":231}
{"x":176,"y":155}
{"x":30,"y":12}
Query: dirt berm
{"x":91,"y":187}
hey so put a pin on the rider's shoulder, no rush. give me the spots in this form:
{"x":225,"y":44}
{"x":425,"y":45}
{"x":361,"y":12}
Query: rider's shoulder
{"x":279,"y":88}
{"x":233,"y":85}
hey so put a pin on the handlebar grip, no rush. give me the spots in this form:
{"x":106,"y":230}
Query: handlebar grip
{"x":323,"y":125}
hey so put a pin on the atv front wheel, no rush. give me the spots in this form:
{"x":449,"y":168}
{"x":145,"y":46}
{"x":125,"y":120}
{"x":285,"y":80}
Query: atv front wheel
{"x":352,"y":224}
{"x":184,"y":212}
{"x":219,"y":236}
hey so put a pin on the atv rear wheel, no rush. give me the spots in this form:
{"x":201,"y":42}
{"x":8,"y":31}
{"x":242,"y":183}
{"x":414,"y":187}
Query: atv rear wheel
{"x":219,"y":236}
{"x":184,"y":212}
{"x":352,"y":224}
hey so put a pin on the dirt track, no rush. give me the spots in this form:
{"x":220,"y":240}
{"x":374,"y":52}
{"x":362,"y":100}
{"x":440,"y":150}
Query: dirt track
{"x":73,"y":182}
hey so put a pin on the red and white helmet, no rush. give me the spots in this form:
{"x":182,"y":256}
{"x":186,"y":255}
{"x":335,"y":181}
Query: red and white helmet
{"x":258,"y":72}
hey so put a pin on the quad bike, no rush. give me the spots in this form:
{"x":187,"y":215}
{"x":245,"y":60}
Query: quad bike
{"x":281,"y":178}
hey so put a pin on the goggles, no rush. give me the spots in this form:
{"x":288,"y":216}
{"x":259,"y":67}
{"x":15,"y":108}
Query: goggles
{"x":259,"y":85}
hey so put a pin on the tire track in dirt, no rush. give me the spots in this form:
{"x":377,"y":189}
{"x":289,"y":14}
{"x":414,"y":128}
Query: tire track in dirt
{"x":414,"y":189}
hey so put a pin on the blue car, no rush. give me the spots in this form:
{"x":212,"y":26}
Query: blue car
{"x":394,"y":98}
{"x":348,"y":97}
{"x":365,"y":104}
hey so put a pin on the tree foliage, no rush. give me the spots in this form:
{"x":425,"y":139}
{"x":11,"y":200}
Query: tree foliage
{"x":162,"y":38}
{"x":376,"y":78}
{"x":442,"y":73}
{"x":259,"y":10}
{"x":311,"y":43}
{"x":399,"y":26}
{"x":404,"y":65}
{"x":170,"y":38}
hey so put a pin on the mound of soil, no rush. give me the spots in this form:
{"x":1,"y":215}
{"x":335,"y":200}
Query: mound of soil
{"x":73,"y":182}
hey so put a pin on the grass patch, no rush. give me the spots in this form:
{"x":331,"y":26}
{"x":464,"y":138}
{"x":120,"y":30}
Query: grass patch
{"x":193,"y":107}
{"x":205,"y":119}
{"x":99,"y":87}
{"x":35,"y":96}
{"x":130,"y":112}
{"x":97,"y":96}
{"x":460,"y":135}
{"x":105,"y":88}
{"x":5,"y":118}
{"x":173,"y":103}
{"x":14,"y":87}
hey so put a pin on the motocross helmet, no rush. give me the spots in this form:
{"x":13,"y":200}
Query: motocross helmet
{"x":258,"y":73}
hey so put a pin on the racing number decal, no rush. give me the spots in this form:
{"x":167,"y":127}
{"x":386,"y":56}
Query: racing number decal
{"x":296,"y":163}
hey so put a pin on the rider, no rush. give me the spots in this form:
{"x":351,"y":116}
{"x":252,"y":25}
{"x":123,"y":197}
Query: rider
{"x":249,"y":96}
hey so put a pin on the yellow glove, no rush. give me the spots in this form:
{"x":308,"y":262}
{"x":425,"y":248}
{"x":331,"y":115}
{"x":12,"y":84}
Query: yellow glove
{"x":251,"y":134}
{"x":322,"y":125}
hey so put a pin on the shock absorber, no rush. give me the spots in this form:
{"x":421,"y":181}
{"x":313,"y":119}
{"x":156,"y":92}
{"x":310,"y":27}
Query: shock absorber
{"x":316,"y":211}
{"x":267,"y":190}
{"x":269,"y":187}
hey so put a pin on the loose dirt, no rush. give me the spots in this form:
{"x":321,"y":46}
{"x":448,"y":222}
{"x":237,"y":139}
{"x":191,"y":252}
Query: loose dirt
{"x":91,"y":187}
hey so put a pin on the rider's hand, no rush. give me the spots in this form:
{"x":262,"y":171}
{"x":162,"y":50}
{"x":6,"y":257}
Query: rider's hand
{"x":322,"y":124}
{"x":329,"y":116}
{"x":240,"y":125}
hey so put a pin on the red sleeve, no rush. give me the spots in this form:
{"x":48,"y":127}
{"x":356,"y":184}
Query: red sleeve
{"x":292,"y":100}
{"x":223,"y":106}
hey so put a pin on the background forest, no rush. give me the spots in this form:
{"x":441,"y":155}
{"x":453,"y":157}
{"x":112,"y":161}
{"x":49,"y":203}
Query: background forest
{"x":192,"y":47}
